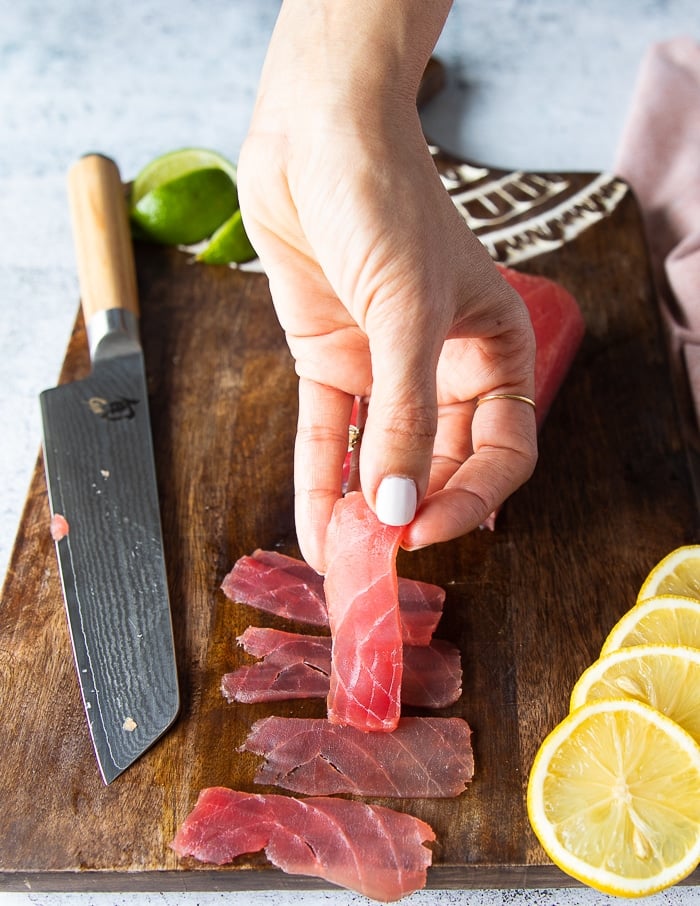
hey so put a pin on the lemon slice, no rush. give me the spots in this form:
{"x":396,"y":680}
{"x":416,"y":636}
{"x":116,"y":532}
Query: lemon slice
{"x":614,"y":798}
{"x":677,"y":574}
{"x":182,"y":197}
{"x":667,"y":677}
{"x":662,"y":620}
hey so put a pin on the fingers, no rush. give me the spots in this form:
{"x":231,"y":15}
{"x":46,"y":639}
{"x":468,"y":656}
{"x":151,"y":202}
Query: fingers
{"x":319,"y":452}
{"x":504,"y":436}
{"x":367,"y":311}
{"x":397,"y":445}
{"x":453,"y":443}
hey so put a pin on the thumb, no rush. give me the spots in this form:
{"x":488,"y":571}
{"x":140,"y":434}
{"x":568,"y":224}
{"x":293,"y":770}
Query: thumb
{"x":398,"y":436}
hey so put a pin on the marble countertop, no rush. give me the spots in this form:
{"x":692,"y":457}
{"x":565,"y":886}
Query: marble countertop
{"x":534,"y":84}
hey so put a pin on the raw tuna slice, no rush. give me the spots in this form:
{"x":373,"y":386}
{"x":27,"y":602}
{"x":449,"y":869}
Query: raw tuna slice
{"x":299,"y":666}
{"x":290,"y":588}
{"x":559,"y":329}
{"x":424,"y":757}
{"x":420,"y":605}
{"x":363,"y":613}
{"x":292,"y":666}
{"x":373,"y":850}
{"x":432,"y":675}
{"x":278,"y":591}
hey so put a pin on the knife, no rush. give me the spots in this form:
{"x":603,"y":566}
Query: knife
{"x":101,"y":479}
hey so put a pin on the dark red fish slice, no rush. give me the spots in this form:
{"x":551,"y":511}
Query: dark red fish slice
{"x":373,"y":850}
{"x":423,"y":758}
{"x":277,"y":590}
{"x":290,"y":588}
{"x":363,"y":612}
{"x":420,"y":605}
{"x":298,"y":666}
{"x":292,"y":666}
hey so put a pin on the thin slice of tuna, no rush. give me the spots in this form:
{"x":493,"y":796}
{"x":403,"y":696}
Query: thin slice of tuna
{"x":423,"y":758}
{"x":370,"y":849}
{"x":278,"y":590}
{"x":363,"y":613}
{"x":289,"y":588}
{"x":292,"y":666}
{"x":298,"y":666}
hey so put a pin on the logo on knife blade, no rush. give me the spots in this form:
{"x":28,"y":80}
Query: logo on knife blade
{"x":113,"y":410}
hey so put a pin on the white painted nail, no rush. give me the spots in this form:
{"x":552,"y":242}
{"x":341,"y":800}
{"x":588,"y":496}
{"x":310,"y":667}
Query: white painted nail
{"x":396,"y":500}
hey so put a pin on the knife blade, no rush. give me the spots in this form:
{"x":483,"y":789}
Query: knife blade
{"x":101,"y":479}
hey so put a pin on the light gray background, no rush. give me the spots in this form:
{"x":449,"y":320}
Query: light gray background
{"x":534,"y":84}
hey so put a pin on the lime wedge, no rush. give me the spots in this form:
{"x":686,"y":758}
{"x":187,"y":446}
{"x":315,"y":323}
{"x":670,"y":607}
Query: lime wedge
{"x":186,"y":209}
{"x":229,"y":244}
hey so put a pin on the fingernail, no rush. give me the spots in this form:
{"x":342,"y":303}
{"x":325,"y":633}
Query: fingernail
{"x":396,"y":500}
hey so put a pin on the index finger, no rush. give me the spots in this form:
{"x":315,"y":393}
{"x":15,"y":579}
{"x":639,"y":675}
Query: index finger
{"x":320,"y":449}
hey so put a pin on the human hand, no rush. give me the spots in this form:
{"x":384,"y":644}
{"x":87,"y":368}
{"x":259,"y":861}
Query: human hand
{"x":381,"y":289}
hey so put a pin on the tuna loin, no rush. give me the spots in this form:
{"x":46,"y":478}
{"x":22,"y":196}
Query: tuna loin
{"x":290,"y":588}
{"x":559,"y":329}
{"x":373,"y":850}
{"x":424,"y":757}
{"x":298,"y":666}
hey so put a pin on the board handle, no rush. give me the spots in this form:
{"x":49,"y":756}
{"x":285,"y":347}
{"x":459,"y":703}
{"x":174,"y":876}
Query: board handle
{"x":104,"y":251}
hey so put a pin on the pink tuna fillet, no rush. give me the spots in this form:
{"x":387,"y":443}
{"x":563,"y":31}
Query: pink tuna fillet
{"x":299,"y":666}
{"x":363,"y":611}
{"x":373,"y":850}
{"x":424,"y":757}
{"x":290,"y":588}
{"x":559,"y":329}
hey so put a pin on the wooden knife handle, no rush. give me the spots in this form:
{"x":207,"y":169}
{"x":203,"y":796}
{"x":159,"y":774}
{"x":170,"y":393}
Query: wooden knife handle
{"x":103,"y":245}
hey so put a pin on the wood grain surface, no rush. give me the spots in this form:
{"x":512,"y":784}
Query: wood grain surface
{"x":529,"y":604}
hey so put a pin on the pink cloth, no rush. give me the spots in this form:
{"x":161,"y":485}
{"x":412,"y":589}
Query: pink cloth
{"x":659,"y":156}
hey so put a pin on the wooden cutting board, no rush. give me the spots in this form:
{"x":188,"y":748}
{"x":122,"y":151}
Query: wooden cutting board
{"x":529,"y":604}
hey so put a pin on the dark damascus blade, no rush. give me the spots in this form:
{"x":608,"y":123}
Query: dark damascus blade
{"x":101,"y":479}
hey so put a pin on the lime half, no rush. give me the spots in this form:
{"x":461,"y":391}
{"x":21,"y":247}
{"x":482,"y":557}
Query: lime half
{"x":182,"y":197}
{"x":175,"y":164}
{"x":187,"y":209}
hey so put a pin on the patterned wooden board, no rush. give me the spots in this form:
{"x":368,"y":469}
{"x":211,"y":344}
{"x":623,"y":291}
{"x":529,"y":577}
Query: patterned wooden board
{"x":520,"y":215}
{"x":516,"y":214}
